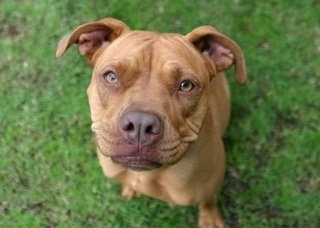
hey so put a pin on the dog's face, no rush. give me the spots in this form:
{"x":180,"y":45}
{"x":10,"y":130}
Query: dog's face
{"x":146,"y":99}
{"x":147,"y":93}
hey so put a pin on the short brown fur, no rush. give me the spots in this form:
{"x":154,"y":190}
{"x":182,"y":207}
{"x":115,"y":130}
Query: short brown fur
{"x":183,"y":162}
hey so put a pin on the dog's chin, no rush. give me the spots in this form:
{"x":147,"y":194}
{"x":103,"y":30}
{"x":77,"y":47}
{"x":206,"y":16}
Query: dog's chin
{"x":136,"y":163}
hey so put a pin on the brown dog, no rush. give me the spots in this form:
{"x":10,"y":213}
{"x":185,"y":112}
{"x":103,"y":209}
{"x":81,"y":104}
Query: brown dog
{"x":159,"y":106}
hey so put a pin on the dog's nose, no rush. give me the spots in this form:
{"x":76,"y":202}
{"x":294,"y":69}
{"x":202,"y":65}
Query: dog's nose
{"x":141,"y":127}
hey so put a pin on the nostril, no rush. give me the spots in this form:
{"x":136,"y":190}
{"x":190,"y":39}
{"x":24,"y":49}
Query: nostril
{"x":149,"y":130}
{"x":153,"y":128}
{"x":129,"y":127}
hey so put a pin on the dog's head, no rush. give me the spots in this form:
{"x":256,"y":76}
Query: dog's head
{"x":147,"y":93}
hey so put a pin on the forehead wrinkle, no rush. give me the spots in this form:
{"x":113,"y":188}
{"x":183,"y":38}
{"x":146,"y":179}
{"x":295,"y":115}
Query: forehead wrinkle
{"x":174,"y":64}
{"x":129,"y":51}
{"x":184,"y":53}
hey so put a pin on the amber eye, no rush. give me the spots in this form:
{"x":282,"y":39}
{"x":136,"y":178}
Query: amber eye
{"x":110,"y":77}
{"x":186,"y":86}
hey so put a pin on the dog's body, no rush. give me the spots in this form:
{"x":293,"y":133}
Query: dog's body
{"x":159,"y":106}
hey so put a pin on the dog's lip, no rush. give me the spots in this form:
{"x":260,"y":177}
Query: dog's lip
{"x":136,"y":162}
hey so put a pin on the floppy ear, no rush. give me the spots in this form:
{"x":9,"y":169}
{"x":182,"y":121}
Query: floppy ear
{"x":91,"y":36}
{"x":223,"y":51}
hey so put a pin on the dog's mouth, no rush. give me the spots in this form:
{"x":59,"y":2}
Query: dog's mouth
{"x":136,"y":163}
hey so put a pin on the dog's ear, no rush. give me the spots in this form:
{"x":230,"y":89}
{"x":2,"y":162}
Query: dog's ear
{"x":91,"y":36}
{"x":223,"y":51}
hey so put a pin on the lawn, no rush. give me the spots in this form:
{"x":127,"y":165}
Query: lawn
{"x":49,"y":172}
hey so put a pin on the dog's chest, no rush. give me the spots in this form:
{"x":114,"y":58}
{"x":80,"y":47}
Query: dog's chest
{"x":160,"y":184}
{"x":146,"y":183}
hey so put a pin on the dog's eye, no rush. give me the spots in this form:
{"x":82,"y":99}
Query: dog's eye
{"x":110,"y":77}
{"x":186,"y":86}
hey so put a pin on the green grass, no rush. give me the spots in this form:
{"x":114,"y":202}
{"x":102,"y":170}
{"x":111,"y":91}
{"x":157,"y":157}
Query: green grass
{"x":49,"y":173}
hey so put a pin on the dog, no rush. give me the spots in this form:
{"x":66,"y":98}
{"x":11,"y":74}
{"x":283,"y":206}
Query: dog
{"x":159,"y":104}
